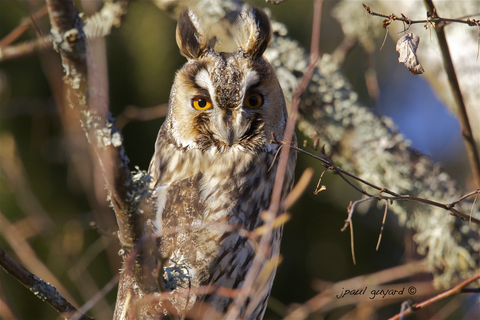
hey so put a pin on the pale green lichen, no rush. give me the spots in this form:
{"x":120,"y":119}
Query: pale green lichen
{"x":99,"y":130}
{"x":101,"y":23}
{"x":371,"y":148}
{"x":140,"y":198}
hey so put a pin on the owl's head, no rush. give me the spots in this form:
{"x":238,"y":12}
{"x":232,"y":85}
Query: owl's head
{"x":224,"y":100}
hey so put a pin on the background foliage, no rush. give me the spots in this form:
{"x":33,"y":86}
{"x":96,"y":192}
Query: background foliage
{"x":49,"y":192}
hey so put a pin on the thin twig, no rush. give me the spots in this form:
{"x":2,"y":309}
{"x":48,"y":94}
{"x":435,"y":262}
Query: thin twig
{"x":384,"y":38}
{"x":26,"y":49}
{"x":405,"y":304}
{"x":352,"y":243}
{"x":351,"y":208}
{"x":275,"y":157}
{"x":383,"y":225}
{"x":455,"y":290}
{"x":326,"y":162}
{"x":326,"y":300}
{"x":22,"y":27}
{"x":473,"y":205}
{"x":40,"y":288}
{"x":96,"y":26}
{"x":464,"y":197}
{"x":28,"y":257}
{"x":134,"y":113}
{"x":470,"y":22}
{"x":99,"y":295}
{"x":298,"y":189}
{"x":318,"y":189}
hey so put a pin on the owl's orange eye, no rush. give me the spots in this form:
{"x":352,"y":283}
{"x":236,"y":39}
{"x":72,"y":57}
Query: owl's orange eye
{"x":200,"y":103}
{"x":254,"y":100}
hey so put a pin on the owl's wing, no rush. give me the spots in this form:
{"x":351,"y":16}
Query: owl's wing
{"x":181,"y":213}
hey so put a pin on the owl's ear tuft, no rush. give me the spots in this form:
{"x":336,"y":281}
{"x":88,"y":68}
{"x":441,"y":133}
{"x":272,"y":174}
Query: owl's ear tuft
{"x":191,"y":38}
{"x":254,"y":31}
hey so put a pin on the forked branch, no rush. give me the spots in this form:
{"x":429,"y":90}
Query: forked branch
{"x":392,"y":196}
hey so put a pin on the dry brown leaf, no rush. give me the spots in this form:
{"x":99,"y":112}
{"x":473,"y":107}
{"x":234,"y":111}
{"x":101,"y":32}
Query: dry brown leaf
{"x":407,"y":48}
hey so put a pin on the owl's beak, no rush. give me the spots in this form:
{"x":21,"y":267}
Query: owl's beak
{"x":228,"y":119}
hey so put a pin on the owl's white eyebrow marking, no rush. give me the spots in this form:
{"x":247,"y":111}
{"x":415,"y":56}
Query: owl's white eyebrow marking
{"x":203,"y":80}
{"x":250,"y":79}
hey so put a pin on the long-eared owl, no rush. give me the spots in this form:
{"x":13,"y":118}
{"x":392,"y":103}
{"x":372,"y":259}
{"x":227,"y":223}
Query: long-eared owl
{"x":214,"y":165}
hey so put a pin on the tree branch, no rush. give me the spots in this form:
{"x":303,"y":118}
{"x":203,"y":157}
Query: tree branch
{"x":70,"y":40}
{"x":26,"y":49}
{"x":40,"y":288}
{"x":472,"y":151}
{"x":128,"y":194}
{"x":403,"y":18}
{"x":455,"y":290}
{"x":22,"y":27}
{"x":329,"y":165}
{"x":96,"y":26}
{"x":326,"y":300}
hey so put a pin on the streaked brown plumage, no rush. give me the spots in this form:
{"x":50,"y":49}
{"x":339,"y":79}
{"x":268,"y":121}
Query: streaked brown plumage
{"x":212,"y":159}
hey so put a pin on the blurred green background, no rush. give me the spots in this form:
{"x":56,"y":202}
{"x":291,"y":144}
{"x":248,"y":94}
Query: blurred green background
{"x":46,"y":173}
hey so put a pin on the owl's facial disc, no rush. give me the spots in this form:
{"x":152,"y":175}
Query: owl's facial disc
{"x":227,"y":123}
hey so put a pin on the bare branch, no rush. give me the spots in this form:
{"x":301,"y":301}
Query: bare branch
{"x":472,"y":151}
{"x":455,"y":290}
{"x":28,"y":257}
{"x":40,"y":288}
{"x":298,"y":189}
{"x":70,"y":41}
{"x":128,"y":193}
{"x":352,"y":243}
{"x":403,"y":18}
{"x":326,"y":300}
{"x":383,"y":224}
{"x":371,"y":147}
{"x":134,"y":113}
{"x":22,"y":27}
{"x":99,"y":295}
{"x":464,"y":197}
{"x":25,"y":49}
{"x":329,"y":165}
{"x":96,"y":26}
